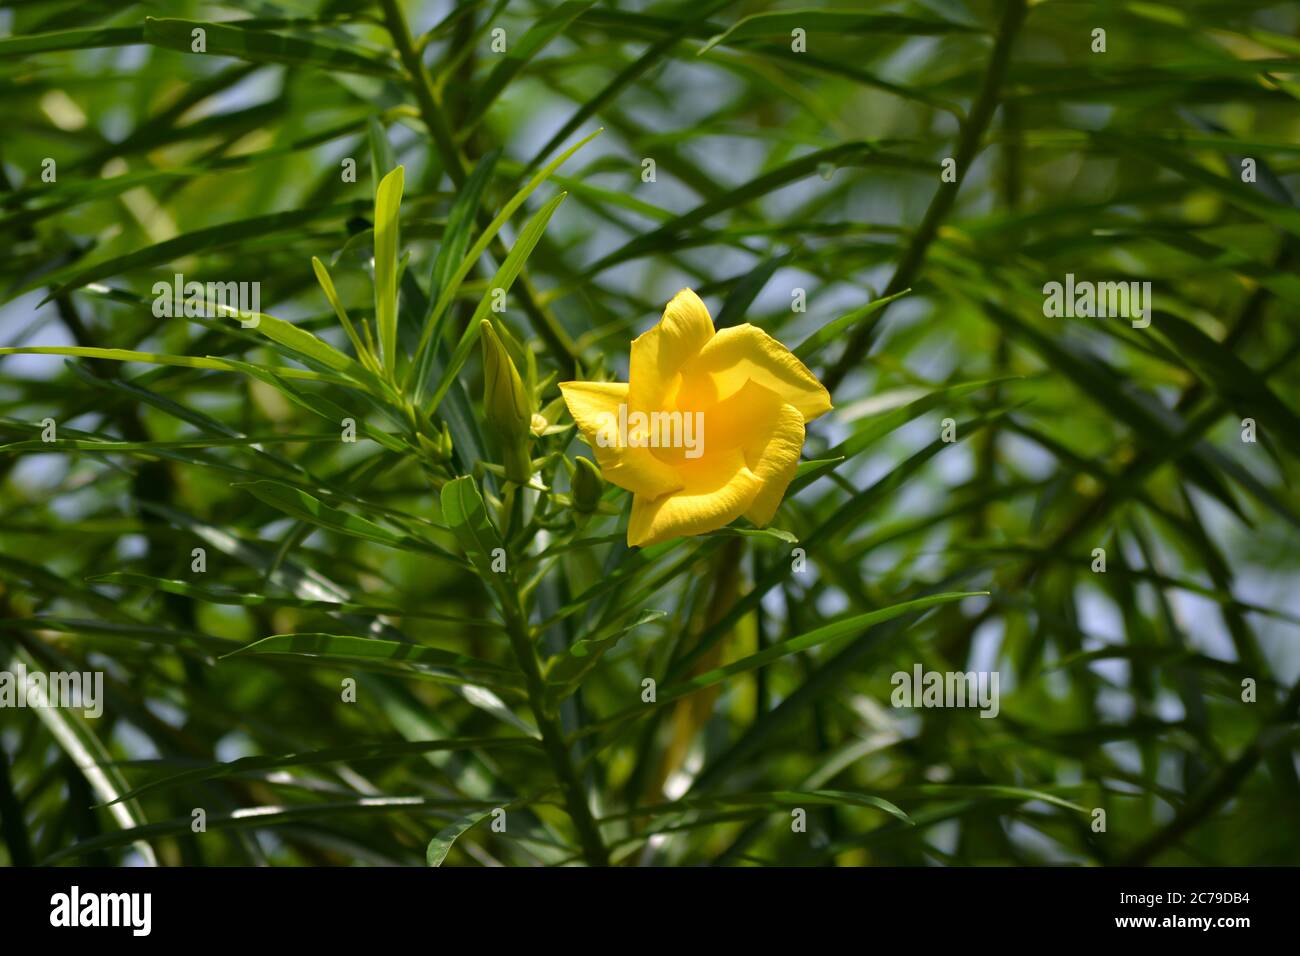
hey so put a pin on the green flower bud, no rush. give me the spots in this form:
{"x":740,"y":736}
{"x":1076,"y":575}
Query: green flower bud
{"x":586,"y":486}
{"x":508,"y":405}
{"x":437,"y":446}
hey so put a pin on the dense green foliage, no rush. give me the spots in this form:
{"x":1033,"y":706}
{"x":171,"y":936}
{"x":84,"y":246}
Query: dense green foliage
{"x":304,"y":636}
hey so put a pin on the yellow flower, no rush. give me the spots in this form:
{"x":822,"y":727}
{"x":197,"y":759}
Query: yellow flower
{"x":708,"y":428}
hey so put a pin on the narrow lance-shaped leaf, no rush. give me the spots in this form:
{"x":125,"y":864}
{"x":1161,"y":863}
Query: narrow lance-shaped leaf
{"x":152,"y":358}
{"x":344,"y":754}
{"x":835,"y":329}
{"x":91,"y":758}
{"x":261,"y":46}
{"x":388,"y":200}
{"x":200,"y":240}
{"x":448,"y":291}
{"x":347,"y":648}
{"x":566,"y":670}
{"x":451,"y":252}
{"x":503,"y":280}
{"x":779,"y":24}
{"x":331,"y":294}
{"x":381,"y":152}
{"x":70,"y":40}
{"x":307,"y":508}
{"x":442,"y":843}
{"x":544,"y":29}
{"x":822,"y":635}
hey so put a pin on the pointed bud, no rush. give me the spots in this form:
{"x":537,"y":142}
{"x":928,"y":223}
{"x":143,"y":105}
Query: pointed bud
{"x":508,"y":406}
{"x":430,"y":446}
{"x":435,"y":442}
{"x":438,"y":445}
{"x":587,"y":486}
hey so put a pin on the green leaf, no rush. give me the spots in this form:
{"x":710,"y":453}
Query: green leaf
{"x":839,"y":327}
{"x":460,"y":221}
{"x":153,"y":358}
{"x":851,"y":625}
{"x":92,"y":759}
{"x":215,"y":595}
{"x":809,"y":471}
{"x":451,"y":253}
{"x":331,"y":294}
{"x":304,"y":507}
{"x":1241,"y":386}
{"x":381,"y":152}
{"x":776,"y":534}
{"x":951,"y":791}
{"x":388,"y":200}
{"x":1097,"y":380}
{"x":464,"y":512}
{"x":190,"y":243}
{"x":1243,"y":196}
{"x":744,"y":292}
{"x":107,"y":447}
{"x":677,"y":29}
{"x":448,"y":291}
{"x":670,"y":233}
{"x":779,"y":25}
{"x":566,"y":670}
{"x":878,"y":426}
{"x":348,"y":753}
{"x":262,"y":46}
{"x":341,"y":647}
{"x":771,"y":799}
{"x":320,"y":405}
{"x":70,"y":40}
{"x":543,"y":29}
{"x":442,"y":843}
{"x":257,"y":817}
{"x":505,"y":277}
{"x":822,"y":635}
{"x":115,"y":631}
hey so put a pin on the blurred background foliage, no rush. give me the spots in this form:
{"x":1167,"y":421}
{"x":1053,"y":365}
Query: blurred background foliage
{"x":775,"y":170}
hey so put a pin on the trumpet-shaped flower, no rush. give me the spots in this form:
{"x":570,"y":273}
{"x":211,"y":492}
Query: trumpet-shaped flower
{"x":708,"y":428}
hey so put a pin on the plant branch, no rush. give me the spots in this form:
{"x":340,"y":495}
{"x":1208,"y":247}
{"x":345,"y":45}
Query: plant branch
{"x":1220,"y":788}
{"x":553,"y":741}
{"x":543,"y":322}
{"x":972,"y":133}
{"x":430,"y":111}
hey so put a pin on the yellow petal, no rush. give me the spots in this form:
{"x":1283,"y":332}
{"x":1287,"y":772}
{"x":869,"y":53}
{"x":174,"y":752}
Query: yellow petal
{"x":593,"y":406}
{"x":719,"y":488}
{"x":775,"y":460}
{"x":752,"y":442}
{"x":769,"y":433}
{"x":743,"y":352}
{"x":659,"y":354}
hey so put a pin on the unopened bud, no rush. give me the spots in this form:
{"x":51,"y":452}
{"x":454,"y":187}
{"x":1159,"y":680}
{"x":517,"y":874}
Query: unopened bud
{"x":437,"y":446}
{"x":586,"y":486}
{"x":507,"y":404}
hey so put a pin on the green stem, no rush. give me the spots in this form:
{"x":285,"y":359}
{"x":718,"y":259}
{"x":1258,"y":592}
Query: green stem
{"x":972,"y":132}
{"x":553,"y":739}
{"x":430,"y":111}
{"x":544,"y":323}
{"x":553,"y":742}
{"x":1220,"y":788}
